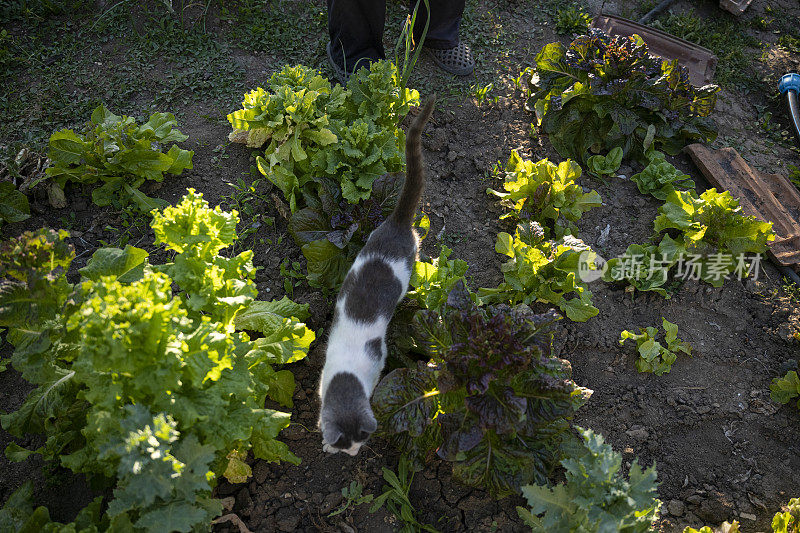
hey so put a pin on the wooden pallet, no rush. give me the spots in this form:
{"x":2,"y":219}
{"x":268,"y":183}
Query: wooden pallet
{"x":768,"y":197}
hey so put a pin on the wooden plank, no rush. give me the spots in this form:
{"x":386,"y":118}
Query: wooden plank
{"x":700,"y":62}
{"x":768,"y":197}
{"x":736,"y":7}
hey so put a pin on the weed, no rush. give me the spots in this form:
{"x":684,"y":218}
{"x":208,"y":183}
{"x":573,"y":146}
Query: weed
{"x":480,"y":92}
{"x":723,"y":36}
{"x":353,"y":497}
{"x":292,"y":275}
{"x":395,"y":497}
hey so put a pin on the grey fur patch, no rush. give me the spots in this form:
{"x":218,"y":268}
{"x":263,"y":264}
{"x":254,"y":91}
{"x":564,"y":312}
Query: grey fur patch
{"x":371,"y":292}
{"x":375,"y":348}
{"x":346,"y":416}
{"x":392,"y":241}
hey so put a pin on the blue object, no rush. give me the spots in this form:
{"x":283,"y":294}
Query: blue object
{"x":789,"y":82}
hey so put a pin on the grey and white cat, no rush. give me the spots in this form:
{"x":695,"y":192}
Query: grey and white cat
{"x":374,"y":285}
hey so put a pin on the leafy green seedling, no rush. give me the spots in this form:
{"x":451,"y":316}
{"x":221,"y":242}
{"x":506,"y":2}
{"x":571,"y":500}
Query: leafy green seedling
{"x":352,"y":497}
{"x":606,"y":165}
{"x":653,"y":356}
{"x":395,"y":497}
{"x":782,"y":390}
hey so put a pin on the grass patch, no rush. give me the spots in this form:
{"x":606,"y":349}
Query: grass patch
{"x":723,"y":36}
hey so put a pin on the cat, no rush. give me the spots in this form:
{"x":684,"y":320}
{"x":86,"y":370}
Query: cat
{"x":373,"y":287}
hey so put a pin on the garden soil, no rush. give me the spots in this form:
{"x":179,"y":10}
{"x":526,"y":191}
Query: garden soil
{"x":722,"y":449}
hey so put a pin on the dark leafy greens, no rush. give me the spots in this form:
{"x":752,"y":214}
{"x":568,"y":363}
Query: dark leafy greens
{"x":492,"y":400}
{"x":603,"y":92}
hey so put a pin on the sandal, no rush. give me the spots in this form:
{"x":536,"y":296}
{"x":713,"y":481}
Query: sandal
{"x":341,"y":74}
{"x":458,"y":60}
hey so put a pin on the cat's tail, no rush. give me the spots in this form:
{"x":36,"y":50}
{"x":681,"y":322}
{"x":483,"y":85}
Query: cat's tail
{"x":415,"y":172}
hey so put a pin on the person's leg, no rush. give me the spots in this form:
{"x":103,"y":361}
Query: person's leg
{"x":442,"y":41}
{"x":356,"y":31}
{"x":444,"y":24}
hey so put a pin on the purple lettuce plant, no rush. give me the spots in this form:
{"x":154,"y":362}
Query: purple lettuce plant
{"x":492,"y":399}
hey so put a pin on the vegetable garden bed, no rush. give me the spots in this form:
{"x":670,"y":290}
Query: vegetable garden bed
{"x":723,"y":449}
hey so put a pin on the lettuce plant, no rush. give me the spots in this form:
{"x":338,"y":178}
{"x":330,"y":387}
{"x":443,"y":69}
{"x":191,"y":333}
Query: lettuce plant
{"x":13,"y":204}
{"x":320,"y":138}
{"x":34,"y":285}
{"x":782,"y":390}
{"x":660,"y":177}
{"x":432,"y":282}
{"x":314,"y":129}
{"x":545,"y":193}
{"x":646,"y":267}
{"x":331,"y":231}
{"x":292,"y":117}
{"x":364,"y":152}
{"x":712,"y":227}
{"x":543,"y":270}
{"x":603,"y":92}
{"x":492,"y":400}
{"x":165,"y":345}
{"x":605,"y":165}
{"x":788,"y":519}
{"x":121,"y":155}
{"x":653,"y":356}
{"x":595,"y":497}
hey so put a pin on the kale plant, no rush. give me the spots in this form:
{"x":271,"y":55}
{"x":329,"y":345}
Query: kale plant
{"x":603,"y":92}
{"x":492,"y":400}
{"x":122,"y":155}
{"x":144,"y":376}
{"x":595,"y":497}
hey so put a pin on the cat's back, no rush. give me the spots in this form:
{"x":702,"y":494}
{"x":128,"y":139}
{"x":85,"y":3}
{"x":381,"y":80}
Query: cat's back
{"x":379,"y":276}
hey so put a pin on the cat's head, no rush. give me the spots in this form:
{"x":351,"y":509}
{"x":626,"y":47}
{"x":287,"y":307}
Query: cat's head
{"x":346,"y":418}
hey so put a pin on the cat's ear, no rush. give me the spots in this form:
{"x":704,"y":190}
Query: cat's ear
{"x":331,"y":433}
{"x":369,"y":424}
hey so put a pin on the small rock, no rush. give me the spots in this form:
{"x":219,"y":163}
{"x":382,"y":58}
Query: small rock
{"x":703,"y":409}
{"x":638,"y":434}
{"x":452,"y":155}
{"x":748,"y":516}
{"x":676,"y":507}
